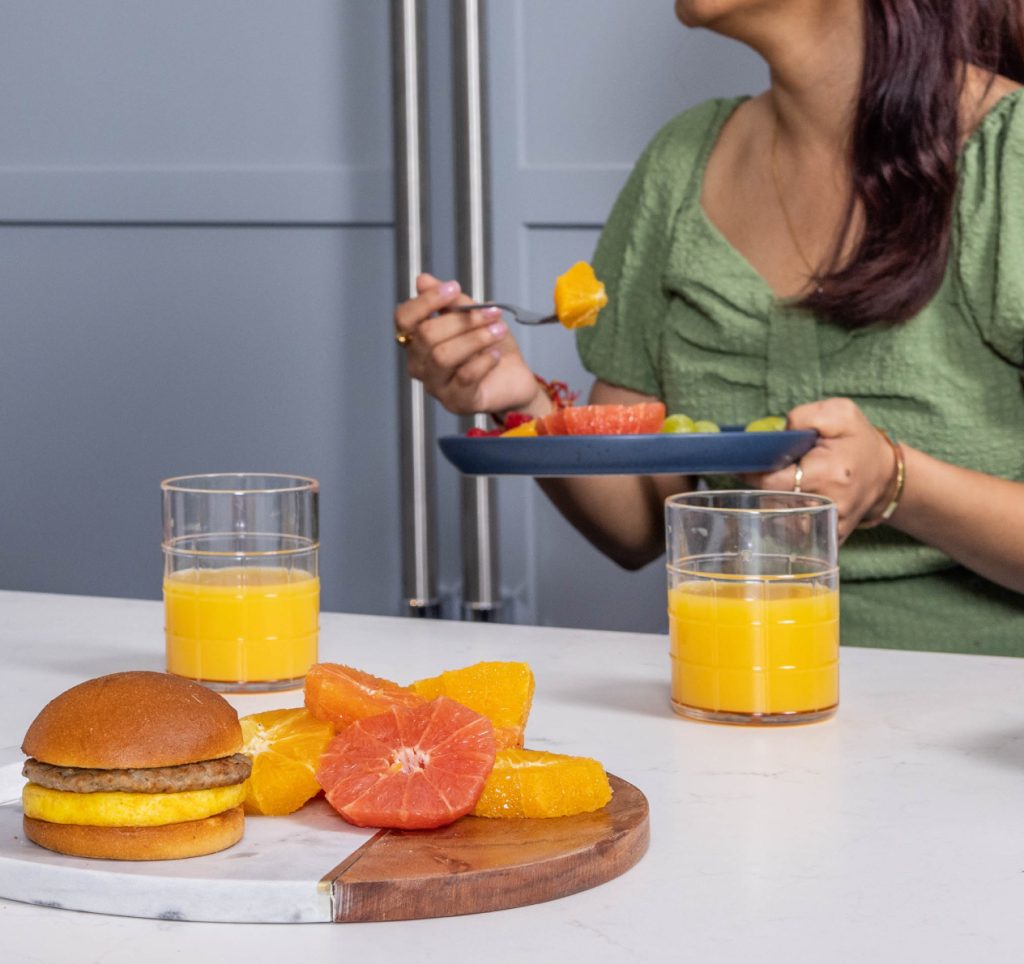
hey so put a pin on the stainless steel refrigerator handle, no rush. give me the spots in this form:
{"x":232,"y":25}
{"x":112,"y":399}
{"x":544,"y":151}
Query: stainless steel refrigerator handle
{"x":481,"y":600}
{"x":419,"y":539}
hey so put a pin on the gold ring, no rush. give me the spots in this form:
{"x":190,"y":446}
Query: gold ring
{"x":402,"y":338}
{"x":798,"y":478}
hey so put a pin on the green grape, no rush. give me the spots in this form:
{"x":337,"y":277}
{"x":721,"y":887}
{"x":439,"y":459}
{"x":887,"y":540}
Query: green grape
{"x":770,"y":423}
{"x":706,"y":425}
{"x":679,"y":423}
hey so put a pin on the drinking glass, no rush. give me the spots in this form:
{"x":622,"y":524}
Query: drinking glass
{"x":753,"y":605}
{"x":241,"y":579}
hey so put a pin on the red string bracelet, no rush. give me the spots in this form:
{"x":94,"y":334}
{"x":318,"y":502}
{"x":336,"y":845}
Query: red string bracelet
{"x":558,"y":392}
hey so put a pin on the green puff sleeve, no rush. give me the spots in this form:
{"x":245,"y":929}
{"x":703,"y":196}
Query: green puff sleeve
{"x":623,"y":348}
{"x":990,"y":222}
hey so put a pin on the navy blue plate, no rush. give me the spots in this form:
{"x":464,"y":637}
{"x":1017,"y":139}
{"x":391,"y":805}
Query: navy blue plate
{"x":698,"y":453}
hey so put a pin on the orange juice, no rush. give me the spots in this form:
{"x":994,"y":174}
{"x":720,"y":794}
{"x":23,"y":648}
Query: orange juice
{"x":250,"y":624}
{"x":755,"y":649}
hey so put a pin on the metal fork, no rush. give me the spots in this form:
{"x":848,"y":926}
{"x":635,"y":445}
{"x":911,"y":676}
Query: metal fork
{"x":523,"y":315}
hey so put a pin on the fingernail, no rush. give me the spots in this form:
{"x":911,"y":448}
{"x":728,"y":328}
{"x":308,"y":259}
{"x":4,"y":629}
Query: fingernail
{"x":491,"y":312}
{"x":450,"y":288}
{"x":497,"y":329}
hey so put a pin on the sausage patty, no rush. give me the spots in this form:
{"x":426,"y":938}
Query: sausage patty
{"x":223,"y":772}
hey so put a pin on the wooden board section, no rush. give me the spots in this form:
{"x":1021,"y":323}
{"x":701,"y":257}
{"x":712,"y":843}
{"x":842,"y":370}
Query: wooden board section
{"x":479,"y":864}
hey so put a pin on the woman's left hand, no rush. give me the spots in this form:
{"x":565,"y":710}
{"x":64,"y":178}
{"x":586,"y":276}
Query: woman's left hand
{"x":852,"y":463}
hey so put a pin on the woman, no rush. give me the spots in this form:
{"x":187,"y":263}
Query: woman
{"x":848,"y":248}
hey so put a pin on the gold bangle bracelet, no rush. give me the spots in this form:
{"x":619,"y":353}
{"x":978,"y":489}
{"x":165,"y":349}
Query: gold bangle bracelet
{"x":897,"y":492}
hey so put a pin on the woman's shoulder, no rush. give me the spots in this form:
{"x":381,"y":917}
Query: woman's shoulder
{"x":986,"y":100}
{"x":687,"y":135}
{"x":995,"y":126}
{"x":990,"y":223}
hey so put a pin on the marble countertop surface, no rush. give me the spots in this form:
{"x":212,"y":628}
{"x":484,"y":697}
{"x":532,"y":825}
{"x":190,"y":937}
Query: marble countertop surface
{"x":891,"y":833}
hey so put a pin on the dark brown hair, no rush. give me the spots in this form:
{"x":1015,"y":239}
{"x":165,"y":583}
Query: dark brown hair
{"x":904,"y":148}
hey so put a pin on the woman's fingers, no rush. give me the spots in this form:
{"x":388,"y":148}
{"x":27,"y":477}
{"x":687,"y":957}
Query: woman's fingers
{"x":409,"y":314}
{"x":425,"y":281}
{"x":465,"y":383}
{"x":470,"y":328}
{"x":782,"y":480}
{"x":831,"y":417}
{"x":450,"y":347}
{"x":467,"y":360}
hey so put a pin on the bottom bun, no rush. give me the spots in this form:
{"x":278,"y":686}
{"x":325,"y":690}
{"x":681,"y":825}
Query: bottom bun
{"x":192,"y":838}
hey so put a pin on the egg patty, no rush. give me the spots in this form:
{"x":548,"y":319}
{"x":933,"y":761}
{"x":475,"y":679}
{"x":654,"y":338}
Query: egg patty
{"x":119,"y":809}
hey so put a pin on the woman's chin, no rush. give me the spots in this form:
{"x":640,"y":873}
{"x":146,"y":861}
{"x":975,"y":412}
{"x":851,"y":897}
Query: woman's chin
{"x":687,"y":11}
{"x":703,"y":13}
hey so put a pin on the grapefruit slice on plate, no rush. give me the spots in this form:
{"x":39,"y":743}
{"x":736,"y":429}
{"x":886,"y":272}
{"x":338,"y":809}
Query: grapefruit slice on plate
{"x":641,"y":419}
{"x":412,"y":768}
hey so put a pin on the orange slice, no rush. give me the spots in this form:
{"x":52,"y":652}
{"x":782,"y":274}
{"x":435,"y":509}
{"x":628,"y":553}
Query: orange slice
{"x":579,"y":296}
{"x":412,"y":768}
{"x":285,"y":747}
{"x":340,"y":695}
{"x":503,"y":692}
{"x":526,"y":430}
{"x":532,"y":783}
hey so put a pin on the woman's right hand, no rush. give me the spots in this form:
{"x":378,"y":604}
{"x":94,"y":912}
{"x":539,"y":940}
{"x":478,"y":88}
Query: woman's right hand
{"x":468,"y":361}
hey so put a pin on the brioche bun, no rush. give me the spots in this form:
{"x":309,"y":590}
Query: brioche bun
{"x":134,"y":719}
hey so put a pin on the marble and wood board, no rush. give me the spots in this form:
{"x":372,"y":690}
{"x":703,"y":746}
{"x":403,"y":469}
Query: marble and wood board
{"x":313,"y":867}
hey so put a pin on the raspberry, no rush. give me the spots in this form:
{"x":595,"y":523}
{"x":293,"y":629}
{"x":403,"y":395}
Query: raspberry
{"x":515,"y":419}
{"x":475,"y":432}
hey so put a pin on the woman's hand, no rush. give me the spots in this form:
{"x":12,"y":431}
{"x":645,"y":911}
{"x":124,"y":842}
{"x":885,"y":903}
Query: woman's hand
{"x":468,"y":361}
{"x":852,"y":464}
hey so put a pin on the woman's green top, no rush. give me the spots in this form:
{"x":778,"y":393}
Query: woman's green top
{"x":690,"y":321}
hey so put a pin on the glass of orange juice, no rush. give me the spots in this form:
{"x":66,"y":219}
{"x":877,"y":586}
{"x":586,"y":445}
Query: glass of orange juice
{"x":753,"y":606}
{"x":241,"y":579}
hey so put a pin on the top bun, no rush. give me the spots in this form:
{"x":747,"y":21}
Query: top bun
{"x":135,"y":719}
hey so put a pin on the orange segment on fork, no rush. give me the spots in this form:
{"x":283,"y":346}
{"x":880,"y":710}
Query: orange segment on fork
{"x":579,"y":296}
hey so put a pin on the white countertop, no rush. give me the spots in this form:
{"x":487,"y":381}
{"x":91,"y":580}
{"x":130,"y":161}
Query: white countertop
{"x":890,"y":833}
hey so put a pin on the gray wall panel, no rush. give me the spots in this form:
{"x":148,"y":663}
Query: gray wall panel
{"x":158,"y":352}
{"x":196,"y":110}
{"x":119,"y":83}
{"x":196,"y":274}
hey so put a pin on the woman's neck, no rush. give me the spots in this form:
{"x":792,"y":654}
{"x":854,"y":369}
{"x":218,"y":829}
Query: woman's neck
{"x":814,"y":51}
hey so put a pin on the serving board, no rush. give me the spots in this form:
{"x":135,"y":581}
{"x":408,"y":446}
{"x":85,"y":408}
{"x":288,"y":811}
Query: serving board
{"x":313,"y":867}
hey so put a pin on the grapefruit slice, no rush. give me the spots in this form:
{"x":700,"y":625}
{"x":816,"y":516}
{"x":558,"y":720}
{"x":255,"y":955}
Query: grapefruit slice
{"x":646,"y":418}
{"x":586,"y":420}
{"x":411,"y":768}
{"x":643,"y":418}
{"x":340,"y":695}
{"x":552,"y":423}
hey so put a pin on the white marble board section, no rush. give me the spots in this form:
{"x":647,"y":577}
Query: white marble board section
{"x":272,"y":876}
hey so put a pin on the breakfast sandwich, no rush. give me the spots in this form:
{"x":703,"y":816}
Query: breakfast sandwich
{"x":135,"y":766}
